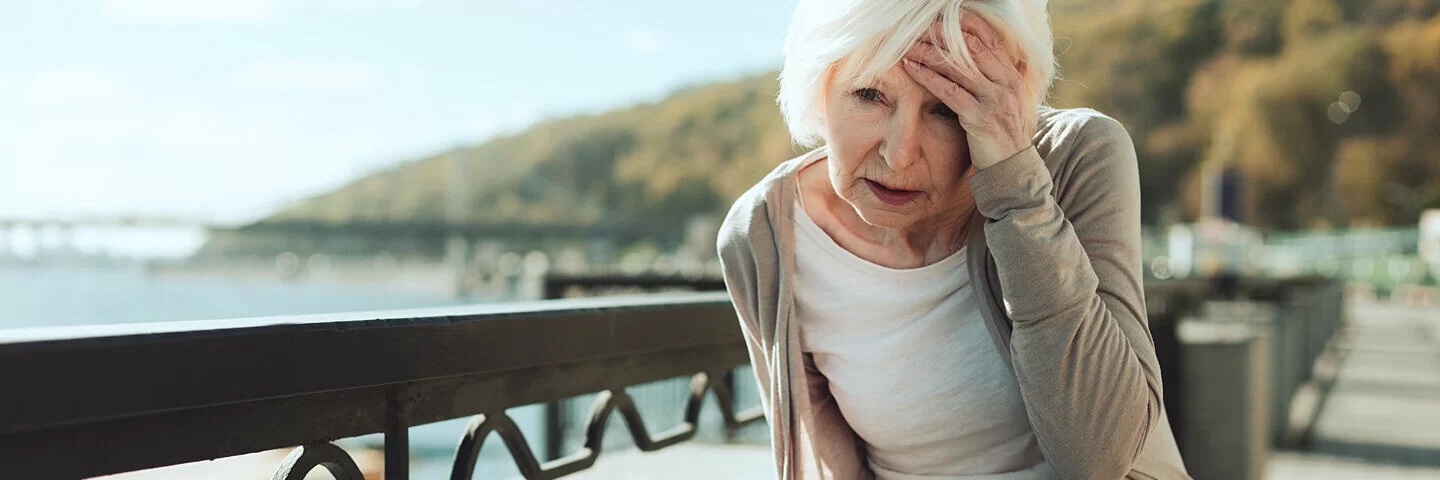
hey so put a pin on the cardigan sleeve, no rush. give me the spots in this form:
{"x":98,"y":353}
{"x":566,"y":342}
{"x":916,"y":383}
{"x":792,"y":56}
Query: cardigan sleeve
{"x":741,"y":270}
{"x":1070,"y":276}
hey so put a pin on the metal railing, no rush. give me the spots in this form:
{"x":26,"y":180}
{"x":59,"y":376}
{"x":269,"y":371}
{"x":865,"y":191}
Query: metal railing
{"x":87,"y":401}
{"x":562,"y":417}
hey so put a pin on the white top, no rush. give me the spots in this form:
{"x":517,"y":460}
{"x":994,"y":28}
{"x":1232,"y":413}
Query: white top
{"x":911,"y":365}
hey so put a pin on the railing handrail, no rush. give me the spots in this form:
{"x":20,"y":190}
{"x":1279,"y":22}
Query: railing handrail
{"x":13,"y":339}
{"x":186,"y":391}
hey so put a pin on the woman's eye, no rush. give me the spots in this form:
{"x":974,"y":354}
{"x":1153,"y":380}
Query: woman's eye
{"x":868,"y":94}
{"x":944,"y":111}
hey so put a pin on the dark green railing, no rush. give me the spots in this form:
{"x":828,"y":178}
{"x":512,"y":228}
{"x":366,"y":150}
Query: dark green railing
{"x":87,"y":401}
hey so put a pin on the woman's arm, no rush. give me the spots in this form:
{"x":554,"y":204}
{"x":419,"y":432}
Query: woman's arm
{"x":1071,"y":281}
{"x":743,"y":270}
{"x":1070,"y":278}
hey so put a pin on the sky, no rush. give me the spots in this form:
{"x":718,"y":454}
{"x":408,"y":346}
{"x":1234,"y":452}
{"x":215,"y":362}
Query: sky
{"x":225,"y":110}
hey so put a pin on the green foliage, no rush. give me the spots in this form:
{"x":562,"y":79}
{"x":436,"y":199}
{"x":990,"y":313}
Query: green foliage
{"x":1252,"y":84}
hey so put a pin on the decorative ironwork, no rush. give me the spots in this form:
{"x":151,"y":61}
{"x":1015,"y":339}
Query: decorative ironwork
{"x":303,"y":459}
{"x":605,"y":403}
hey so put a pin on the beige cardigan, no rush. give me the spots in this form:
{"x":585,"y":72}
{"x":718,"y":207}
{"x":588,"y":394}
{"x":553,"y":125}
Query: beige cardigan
{"x":1060,"y":250}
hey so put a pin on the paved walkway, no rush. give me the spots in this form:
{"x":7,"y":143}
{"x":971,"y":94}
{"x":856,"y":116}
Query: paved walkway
{"x":1312,"y":466}
{"x":1385,"y":402}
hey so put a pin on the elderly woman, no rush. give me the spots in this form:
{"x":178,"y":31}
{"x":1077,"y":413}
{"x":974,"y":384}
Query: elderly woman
{"x":950,"y":287}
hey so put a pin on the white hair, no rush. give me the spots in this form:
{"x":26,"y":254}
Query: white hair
{"x":861,"y":39}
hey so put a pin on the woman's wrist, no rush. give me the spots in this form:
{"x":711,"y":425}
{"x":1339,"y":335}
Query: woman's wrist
{"x":983,"y":156}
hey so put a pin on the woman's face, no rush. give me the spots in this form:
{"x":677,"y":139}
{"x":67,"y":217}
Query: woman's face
{"x":897,"y":154}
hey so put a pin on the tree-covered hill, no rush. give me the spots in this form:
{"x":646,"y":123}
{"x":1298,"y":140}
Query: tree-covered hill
{"x":1199,"y":83}
{"x":659,"y":162}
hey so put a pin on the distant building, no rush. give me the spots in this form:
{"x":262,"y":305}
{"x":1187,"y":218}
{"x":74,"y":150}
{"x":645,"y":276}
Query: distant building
{"x":1429,"y":243}
{"x":1214,"y":246}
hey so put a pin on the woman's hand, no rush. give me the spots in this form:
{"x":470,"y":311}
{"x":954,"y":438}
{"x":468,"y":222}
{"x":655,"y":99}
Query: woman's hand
{"x":991,"y":103}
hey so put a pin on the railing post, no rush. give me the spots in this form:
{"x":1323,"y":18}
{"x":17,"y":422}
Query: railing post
{"x":728,"y":379}
{"x":555,"y":411}
{"x":397,"y":435}
{"x":555,"y":420}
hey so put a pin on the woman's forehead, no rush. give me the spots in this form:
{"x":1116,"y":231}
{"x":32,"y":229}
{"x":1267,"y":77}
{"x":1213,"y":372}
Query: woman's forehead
{"x":894,"y":82}
{"x":886,"y":79}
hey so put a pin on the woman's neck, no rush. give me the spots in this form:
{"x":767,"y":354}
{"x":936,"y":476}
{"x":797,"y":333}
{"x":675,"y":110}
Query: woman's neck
{"x":922,"y":243}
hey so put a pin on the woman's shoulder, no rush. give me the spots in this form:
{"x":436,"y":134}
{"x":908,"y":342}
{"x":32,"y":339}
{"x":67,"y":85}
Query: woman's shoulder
{"x":1088,"y":153}
{"x":1083,"y":125}
{"x":1072,"y":139}
{"x":750,"y":214}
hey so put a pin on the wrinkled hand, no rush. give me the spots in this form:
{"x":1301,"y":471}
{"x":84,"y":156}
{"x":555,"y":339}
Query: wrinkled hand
{"x":990,"y":103}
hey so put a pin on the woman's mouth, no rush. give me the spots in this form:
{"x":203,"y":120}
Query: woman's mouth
{"x":890,"y":195}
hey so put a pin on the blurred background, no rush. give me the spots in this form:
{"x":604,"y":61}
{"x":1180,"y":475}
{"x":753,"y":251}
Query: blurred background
{"x":165,"y":160}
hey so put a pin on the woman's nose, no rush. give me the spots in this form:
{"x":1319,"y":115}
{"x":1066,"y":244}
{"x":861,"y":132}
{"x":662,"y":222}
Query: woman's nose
{"x":902,"y":142}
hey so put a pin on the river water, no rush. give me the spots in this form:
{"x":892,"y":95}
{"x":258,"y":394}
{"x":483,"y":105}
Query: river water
{"x":64,"y":296}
